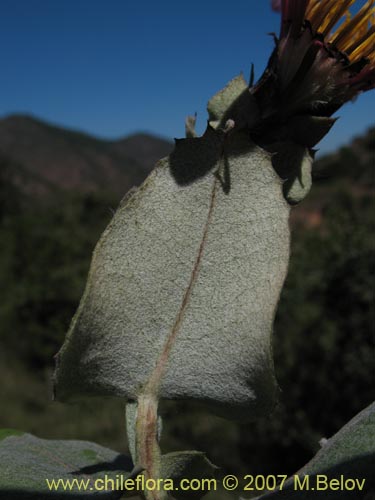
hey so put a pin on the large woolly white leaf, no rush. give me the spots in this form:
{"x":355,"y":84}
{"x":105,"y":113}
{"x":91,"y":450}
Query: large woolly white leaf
{"x":184,"y":283}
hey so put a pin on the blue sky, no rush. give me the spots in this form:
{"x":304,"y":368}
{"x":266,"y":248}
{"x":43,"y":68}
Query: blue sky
{"x":116,"y":67}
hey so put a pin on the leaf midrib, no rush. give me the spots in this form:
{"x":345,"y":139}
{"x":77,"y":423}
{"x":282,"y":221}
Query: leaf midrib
{"x":153,"y":384}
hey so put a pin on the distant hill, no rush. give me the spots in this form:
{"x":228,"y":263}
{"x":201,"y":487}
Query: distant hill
{"x":355,"y":161}
{"x":49,"y":156}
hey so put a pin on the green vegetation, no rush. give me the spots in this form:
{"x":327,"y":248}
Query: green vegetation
{"x":324,"y":329}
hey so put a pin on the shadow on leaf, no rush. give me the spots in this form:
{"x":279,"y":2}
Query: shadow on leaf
{"x":193,"y":158}
{"x":122,"y":464}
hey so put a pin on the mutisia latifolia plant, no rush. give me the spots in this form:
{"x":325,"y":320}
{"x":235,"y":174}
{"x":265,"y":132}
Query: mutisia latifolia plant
{"x":184,"y":282}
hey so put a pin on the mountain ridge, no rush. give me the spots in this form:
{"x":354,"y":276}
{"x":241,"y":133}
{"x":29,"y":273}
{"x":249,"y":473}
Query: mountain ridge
{"x":76,"y":160}
{"x":45,"y":157}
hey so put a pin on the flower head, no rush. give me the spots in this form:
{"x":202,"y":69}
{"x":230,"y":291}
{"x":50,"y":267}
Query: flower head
{"x":316,"y":68}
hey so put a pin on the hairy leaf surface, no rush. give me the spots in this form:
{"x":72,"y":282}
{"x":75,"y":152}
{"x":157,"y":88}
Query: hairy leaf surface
{"x":186,"y":279}
{"x":348,"y":455}
{"x":26,"y":462}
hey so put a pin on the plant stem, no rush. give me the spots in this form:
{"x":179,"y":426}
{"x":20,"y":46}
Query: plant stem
{"x":147,"y":447}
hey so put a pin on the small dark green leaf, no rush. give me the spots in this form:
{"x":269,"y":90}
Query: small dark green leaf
{"x":187,"y":465}
{"x":309,"y":130}
{"x":27,"y":462}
